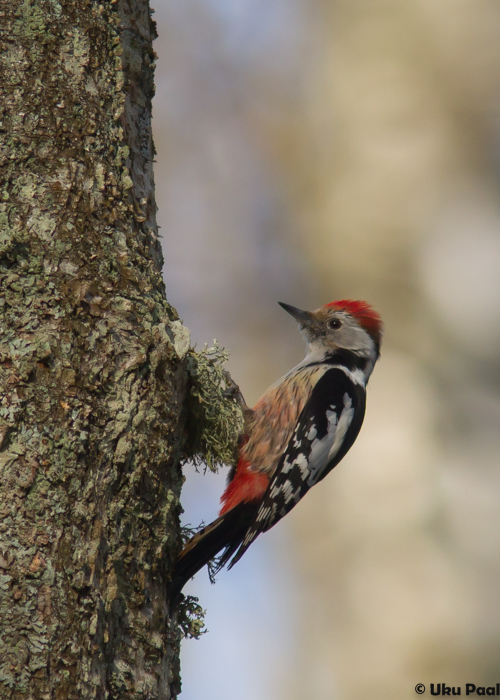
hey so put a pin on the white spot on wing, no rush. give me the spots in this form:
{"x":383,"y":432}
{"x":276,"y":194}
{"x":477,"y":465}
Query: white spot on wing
{"x":287,"y":491}
{"x":275,"y":491}
{"x":312,"y":433}
{"x":263,"y":513}
{"x":249,"y":538}
{"x":303,"y":464}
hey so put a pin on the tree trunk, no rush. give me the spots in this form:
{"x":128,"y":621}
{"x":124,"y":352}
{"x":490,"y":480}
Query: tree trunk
{"x":92,"y":361}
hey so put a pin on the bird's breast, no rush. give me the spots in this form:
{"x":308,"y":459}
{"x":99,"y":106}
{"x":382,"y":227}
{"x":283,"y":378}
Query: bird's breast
{"x":275,"y":416}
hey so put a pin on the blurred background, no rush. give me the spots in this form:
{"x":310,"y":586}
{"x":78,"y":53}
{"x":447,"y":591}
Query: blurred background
{"x":310,"y":150}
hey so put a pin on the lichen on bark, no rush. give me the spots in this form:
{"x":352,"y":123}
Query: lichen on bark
{"x":214,"y":418}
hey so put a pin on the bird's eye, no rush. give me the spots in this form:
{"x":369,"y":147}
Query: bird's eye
{"x":334,"y":324}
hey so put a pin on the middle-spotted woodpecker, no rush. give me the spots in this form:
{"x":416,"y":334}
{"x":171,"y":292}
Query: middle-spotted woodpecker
{"x":297,"y":432}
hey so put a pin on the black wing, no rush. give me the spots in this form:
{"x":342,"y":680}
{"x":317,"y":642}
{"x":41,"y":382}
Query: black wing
{"x":326,"y":429}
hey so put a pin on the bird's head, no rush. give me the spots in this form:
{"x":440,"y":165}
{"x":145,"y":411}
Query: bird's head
{"x":341,"y":325}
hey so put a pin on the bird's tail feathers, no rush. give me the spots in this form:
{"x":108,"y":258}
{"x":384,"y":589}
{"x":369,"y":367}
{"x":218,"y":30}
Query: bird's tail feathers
{"x":226,"y":533}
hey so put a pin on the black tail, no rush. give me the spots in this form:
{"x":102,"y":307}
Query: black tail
{"x":226,"y":532}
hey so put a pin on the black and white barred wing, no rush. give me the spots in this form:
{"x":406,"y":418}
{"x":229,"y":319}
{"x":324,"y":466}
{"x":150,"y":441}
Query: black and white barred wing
{"x":326,"y":429}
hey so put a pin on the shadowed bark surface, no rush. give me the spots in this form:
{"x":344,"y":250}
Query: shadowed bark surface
{"x":92,"y":361}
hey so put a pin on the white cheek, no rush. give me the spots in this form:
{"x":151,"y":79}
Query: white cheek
{"x":357,"y":339}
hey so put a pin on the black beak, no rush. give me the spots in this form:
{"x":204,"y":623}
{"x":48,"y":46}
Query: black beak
{"x":304,"y":317}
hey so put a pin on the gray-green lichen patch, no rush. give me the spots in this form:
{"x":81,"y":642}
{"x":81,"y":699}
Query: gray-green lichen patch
{"x":191,"y":618}
{"x":30,"y":22}
{"x":75,"y":55}
{"x":214,"y":421}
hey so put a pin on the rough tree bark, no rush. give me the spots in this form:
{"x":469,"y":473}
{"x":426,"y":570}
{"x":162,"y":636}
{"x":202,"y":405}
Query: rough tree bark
{"x":92,"y":360}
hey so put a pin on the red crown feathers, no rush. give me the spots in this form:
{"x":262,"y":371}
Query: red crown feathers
{"x":364,"y":313}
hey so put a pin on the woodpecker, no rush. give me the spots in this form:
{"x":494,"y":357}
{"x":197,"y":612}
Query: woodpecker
{"x":298,"y":431}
